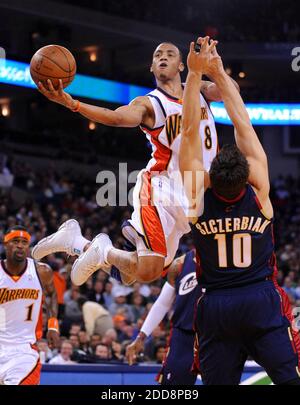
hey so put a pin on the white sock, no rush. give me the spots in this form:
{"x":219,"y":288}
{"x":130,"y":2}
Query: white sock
{"x":79,"y":243}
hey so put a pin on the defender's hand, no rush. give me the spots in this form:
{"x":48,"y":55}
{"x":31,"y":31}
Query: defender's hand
{"x":198,"y":62}
{"x":58,"y":96}
{"x":215,"y":67}
{"x":133,"y":350}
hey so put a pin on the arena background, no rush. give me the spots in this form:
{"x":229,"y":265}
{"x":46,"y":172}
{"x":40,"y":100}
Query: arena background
{"x":50,"y":157}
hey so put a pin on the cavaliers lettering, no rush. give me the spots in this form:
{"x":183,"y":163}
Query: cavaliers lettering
{"x":7,"y":295}
{"x":227,"y":225}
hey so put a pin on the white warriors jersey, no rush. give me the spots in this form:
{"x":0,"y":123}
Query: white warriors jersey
{"x":20,"y":306}
{"x":165,"y":137}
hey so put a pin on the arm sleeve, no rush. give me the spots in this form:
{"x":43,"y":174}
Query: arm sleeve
{"x":159,"y":309}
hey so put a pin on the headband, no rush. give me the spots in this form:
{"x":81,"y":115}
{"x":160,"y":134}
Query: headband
{"x":17,"y":234}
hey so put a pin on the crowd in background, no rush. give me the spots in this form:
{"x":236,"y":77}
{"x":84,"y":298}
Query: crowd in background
{"x":216,"y":18}
{"x":99,"y":319}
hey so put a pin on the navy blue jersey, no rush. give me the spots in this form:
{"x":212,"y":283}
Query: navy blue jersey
{"x":234,"y":241}
{"x":187,"y":293}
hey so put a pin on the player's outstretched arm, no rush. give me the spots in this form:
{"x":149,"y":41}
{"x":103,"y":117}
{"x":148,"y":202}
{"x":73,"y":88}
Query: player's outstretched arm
{"x":246,"y":138}
{"x":46,"y":276}
{"x":138,"y":111}
{"x":211,"y":92}
{"x":190,"y":155}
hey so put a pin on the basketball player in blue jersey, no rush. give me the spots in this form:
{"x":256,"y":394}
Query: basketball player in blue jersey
{"x":181,"y":292}
{"x":159,"y":218}
{"x":243,"y":311}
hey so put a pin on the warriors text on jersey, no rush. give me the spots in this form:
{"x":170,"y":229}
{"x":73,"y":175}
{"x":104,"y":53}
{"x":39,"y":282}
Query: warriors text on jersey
{"x":234,"y":241}
{"x":166,"y":135}
{"x":20,"y":306}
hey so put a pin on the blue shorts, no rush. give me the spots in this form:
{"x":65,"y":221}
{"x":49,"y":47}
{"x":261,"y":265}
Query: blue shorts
{"x":176,"y":369}
{"x":254,"y":320}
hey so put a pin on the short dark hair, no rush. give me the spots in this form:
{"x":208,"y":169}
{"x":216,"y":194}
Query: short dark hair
{"x":172,"y":43}
{"x":16,"y":228}
{"x":229,"y":172}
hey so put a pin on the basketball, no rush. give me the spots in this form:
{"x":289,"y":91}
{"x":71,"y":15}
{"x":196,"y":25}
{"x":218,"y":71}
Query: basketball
{"x":53,"y":62}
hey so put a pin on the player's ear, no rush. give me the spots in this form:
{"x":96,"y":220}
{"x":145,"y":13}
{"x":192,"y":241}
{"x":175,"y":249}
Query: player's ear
{"x":181,"y":67}
{"x":151,"y":68}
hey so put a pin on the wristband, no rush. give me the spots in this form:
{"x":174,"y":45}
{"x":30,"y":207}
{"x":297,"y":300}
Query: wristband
{"x":53,"y":324}
{"x":77,"y":107}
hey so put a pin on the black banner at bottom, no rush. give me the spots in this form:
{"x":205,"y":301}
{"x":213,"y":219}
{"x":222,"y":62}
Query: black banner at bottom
{"x":133,"y":394}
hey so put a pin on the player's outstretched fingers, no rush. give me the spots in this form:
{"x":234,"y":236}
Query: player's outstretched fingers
{"x":192,"y":47}
{"x":50,"y":85}
{"x":199,"y":40}
{"x":205,"y":43}
{"x":131,"y":357}
{"x":60,"y":88}
{"x":214,"y":50}
{"x":42,"y":88}
{"x":212,"y":45}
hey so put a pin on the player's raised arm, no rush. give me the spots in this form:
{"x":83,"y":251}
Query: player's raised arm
{"x":211,"y":92}
{"x":190,"y":156}
{"x":138,"y":111}
{"x":246,"y":138}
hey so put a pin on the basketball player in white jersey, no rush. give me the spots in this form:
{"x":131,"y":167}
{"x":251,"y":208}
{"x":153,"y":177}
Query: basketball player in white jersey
{"x":22,"y":283}
{"x":159,"y":218}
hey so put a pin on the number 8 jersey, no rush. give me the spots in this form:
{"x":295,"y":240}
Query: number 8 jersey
{"x":20,"y":306}
{"x":166,"y":135}
{"x":234,"y":241}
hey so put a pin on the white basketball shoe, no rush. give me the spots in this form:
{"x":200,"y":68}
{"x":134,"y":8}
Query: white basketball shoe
{"x":91,"y":260}
{"x":60,"y":241}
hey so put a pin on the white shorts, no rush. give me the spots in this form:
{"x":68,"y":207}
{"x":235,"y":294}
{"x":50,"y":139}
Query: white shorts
{"x":19,"y":365}
{"x":159,"y":216}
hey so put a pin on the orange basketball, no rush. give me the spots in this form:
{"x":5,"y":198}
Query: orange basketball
{"x":53,"y":62}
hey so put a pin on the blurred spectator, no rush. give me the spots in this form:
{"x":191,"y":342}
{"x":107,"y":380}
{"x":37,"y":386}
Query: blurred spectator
{"x":60,"y":277}
{"x":84,"y":341}
{"x":107,"y":295}
{"x":65,"y":354}
{"x":74,"y":340}
{"x":73,"y":311}
{"x":137,"y":306}
{"x":154,"y":292}
{"x":117,"y":351}
{"x":138,"y":288}
{"x":158,"y":337}
{"x":97,"y":319}
{"x":103,"y":352}
{"x":160,"y":352}
{"x":75,"y":329}
{"x":96,"y":294}
{"x":119,"y":305}
{"x":119,"y":324}
{"x":109,"y":337}
{"x":95,"y":340}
